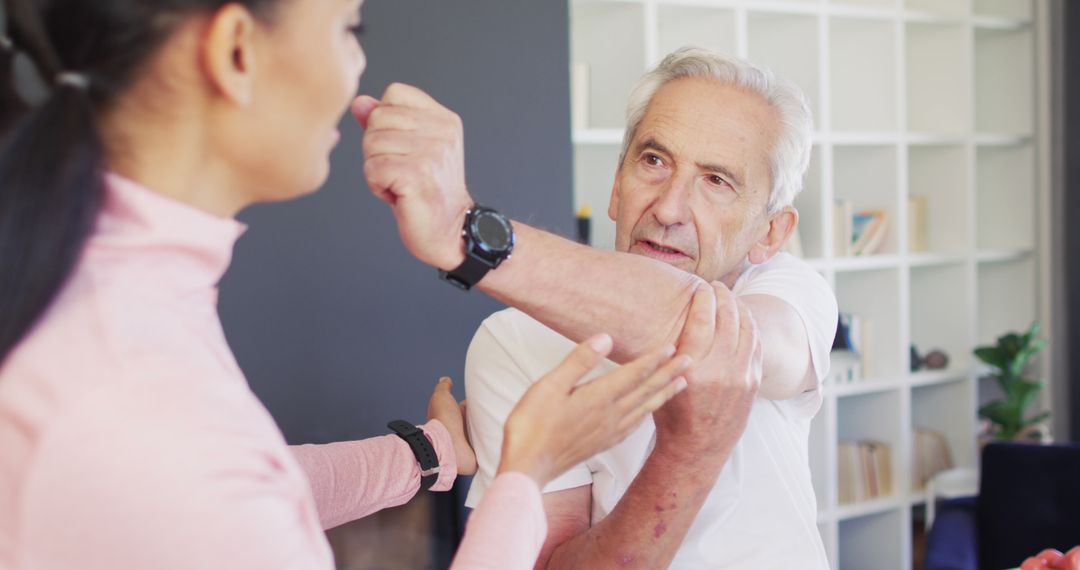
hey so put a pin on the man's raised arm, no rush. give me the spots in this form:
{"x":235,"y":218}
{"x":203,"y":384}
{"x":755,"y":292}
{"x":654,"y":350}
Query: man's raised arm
{"x":414,"y":161}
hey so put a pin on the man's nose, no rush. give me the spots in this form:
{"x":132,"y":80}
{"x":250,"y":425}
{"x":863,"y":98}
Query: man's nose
{"x":672,"y":207}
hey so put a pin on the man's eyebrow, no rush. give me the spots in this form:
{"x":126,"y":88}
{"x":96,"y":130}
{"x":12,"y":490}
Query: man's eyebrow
{"x":735,"y":180}
{"x":652,"y":144}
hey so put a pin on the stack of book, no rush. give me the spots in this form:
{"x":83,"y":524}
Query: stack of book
{"x":864,"y":470}
{"x":930,"y":455}
{"x":858,"y":233}
{"x":854,"y":338}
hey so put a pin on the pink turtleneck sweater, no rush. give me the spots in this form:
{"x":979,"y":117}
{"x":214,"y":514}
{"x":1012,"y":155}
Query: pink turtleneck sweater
{"x":129,"y":437}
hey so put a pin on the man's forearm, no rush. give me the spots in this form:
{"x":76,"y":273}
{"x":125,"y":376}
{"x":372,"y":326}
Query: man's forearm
{"x":650,"y":521}
{"x":579,"y":291}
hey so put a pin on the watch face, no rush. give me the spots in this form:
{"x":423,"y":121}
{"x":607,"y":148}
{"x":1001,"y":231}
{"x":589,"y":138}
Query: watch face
{"x":492,"y":231}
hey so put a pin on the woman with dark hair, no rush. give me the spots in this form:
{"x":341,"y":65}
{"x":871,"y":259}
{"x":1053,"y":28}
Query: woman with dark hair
{"x":129,"y":436}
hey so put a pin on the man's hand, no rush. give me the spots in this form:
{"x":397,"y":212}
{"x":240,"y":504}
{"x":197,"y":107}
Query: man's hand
{"x":445,"y":408}
{"x":414,"y":160}
{"x":709,"y":417}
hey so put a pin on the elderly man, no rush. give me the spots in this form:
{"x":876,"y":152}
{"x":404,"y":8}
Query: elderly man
{"x":713,"y":156}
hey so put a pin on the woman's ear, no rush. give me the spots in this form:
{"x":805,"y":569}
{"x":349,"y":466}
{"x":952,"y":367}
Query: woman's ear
{"x":228,"y":53}
{"x":780,"y":227}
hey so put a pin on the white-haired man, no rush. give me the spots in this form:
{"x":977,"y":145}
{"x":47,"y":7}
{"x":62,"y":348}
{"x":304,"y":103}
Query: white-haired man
{"x":713,"y":156}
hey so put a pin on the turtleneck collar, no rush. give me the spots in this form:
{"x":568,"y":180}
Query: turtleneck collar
{"x":186,"y":247}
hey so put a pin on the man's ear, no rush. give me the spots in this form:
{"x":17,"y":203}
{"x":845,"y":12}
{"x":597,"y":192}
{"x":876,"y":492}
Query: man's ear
{"x":228,"y":53}
{"x":613,"y":204}
{"x":779,"y":228}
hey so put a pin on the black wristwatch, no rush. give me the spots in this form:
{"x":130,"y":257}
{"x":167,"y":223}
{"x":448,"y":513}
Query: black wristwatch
{"x":489,"y":240}
{"x":421,"y":448}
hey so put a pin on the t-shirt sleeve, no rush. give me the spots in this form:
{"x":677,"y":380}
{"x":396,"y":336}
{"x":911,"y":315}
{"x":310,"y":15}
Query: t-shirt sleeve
{"x":805,"y":290}
{"x":496,"y":377}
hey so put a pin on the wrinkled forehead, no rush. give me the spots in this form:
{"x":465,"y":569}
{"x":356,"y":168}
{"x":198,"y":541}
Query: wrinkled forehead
{"x":705,"y":121}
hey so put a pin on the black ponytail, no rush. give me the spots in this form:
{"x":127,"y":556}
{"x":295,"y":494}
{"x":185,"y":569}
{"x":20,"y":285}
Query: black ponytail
{"x":50,"y":193}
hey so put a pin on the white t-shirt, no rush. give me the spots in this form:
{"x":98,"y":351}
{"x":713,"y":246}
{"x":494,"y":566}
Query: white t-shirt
{"x":762,"y":513}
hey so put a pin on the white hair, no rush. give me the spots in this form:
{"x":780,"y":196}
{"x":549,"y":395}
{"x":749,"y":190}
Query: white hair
{"x":790,"y":155}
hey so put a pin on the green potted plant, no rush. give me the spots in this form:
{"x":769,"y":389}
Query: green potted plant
{"x":1009,"y":359}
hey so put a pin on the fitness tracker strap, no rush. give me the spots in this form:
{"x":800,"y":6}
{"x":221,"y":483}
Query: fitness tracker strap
{"x":421,"y":448}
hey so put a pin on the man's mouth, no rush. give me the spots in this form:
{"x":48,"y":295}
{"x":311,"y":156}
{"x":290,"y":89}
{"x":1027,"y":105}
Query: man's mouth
{"x":659,"y":250}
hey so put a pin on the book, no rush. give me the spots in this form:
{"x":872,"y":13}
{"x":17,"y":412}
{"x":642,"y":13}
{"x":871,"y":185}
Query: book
{"x":842,"y":230}
{"x":864,"y":470}
{"x":855,"y":333}
{"x":929,"y":456}
{"x":868,"y":231}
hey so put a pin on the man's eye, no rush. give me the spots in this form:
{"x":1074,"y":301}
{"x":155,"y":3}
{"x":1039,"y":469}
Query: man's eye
{"x":716,"y":180}
{"x":653,"y":160}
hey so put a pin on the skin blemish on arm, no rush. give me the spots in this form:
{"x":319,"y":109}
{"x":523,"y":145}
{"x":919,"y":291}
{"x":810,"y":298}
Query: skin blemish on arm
{"x":626,"y":560}
{"x":659,"y":530}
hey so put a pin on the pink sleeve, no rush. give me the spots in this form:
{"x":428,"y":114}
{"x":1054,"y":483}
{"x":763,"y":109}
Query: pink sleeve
{"x":352,"y":479}
{"x":507,"y":528}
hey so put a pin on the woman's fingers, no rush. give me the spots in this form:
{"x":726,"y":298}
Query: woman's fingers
{"x":582,"y":359}
{"x":615,"y":385}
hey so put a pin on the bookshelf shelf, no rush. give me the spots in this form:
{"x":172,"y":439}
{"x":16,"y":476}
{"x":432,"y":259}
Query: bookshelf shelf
{"x":935,"y":377}
{"x":865,"y":508}
{"x":936,"y":139}
{"x":994,"y":23}
{"x":865,"y":263}
{"x":866,"y":386}
{"x":1002,"y":255}
{"x":1001,"y":139}
{"x":924,"y":109}
{"x":935,"y":259}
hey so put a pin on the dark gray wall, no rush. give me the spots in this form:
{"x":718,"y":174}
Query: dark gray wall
{"x":337,"y":328}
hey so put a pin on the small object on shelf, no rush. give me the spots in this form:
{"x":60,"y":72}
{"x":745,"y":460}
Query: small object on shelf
{"x":845,"y":367}
{"x":916,"y":360}
{"x":855,"y":333}
{"x":936,"y":360}
{"x":584,"y":224}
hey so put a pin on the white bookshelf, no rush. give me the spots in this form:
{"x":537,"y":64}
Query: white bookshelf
{"x":935,"y":98}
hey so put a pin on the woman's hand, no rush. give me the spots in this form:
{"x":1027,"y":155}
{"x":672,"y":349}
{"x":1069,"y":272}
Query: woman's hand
{"x":558,"y":424}
{"x":1054,"y":559}
{"x":445,"y":408}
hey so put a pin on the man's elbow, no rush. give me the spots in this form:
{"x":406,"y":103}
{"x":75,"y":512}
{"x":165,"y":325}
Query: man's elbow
{"x":783,"y":386}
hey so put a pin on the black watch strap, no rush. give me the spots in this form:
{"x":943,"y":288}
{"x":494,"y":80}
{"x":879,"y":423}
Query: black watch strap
{"x":421,"y":448}
{"x":469,"y":273}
